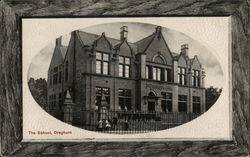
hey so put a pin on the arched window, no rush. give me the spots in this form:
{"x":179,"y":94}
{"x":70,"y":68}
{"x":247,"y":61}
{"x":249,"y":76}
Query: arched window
{"x":151,"y":94}
{"x":159,"y":59}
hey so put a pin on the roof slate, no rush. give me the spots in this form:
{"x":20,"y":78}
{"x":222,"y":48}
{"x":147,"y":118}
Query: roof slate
{"x":143,"y":43}
{"x":90,"y":38}
{"x":137,"y":47}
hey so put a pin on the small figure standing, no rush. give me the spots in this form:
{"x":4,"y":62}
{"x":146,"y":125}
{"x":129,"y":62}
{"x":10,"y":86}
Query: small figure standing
{"x":126,"y":125}
{"x":114,"y":122}
{"x":107,"y":125}
{"x":126,"y":109}
{"x":100,"y":125}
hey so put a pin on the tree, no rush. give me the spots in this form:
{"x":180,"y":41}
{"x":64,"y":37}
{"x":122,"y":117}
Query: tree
{"x":212,"y":94}
{"x":38,"y":89}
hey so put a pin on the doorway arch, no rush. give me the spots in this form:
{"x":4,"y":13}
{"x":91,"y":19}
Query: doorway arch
{"x":151,"y":101}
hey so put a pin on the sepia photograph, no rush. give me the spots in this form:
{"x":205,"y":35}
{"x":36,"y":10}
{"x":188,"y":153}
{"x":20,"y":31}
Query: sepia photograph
{"x":125,"y":78}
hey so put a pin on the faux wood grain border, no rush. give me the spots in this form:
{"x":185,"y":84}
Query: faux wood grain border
{"x":11,"y":71}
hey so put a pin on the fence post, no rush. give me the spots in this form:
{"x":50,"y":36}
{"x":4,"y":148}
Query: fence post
{"x":103,"y":108}
{"x":68,"y":108}
{"x":103,"y":111}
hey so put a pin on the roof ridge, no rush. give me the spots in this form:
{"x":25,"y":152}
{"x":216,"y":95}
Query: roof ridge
{"x":101,"y":35}
{"x":144,"y":38}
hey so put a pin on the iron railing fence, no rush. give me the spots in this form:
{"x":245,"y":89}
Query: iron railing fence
{"x":127,"y":122}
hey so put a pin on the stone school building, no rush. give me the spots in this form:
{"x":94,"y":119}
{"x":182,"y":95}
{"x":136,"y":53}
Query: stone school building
{"x":141,"y":76}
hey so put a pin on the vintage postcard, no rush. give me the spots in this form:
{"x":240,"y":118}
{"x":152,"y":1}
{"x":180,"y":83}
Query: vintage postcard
{"x":126,"y":78}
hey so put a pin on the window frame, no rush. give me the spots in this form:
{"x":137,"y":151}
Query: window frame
{"x":126,"y":98}
{"x":182,"y":104}
{"x":102,"y":61}
{"x":55,"y":75}
{"x":99,"y":96}
{"x":123,"y":66}
{"x":51,"y":77}
{"x":196,"y":104}
{"x":168,"y":101}
{"x":182,"y":75}
{"x":196,"y":78}
{"x":60,"y":73}
{"x":52,"y":102}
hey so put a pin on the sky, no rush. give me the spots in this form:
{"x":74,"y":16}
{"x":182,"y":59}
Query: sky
{"x":136,"y":31}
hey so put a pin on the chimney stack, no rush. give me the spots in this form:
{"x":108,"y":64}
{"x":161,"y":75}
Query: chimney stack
{"x":184,"y":50}
{"x":123,"y":33}
{"x":158,"y":31}
{"x":59,"y":41}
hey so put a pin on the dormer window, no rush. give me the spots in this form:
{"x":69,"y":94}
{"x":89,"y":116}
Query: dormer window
{"x":102,"y":63}
{"x":124,"y":66}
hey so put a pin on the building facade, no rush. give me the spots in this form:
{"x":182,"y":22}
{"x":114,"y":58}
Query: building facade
{"x":141,"y":76}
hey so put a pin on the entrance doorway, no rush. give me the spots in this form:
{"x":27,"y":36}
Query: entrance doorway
{"x":151,"y":106}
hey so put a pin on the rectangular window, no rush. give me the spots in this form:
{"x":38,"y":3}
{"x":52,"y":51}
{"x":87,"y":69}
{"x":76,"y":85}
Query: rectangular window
{"x":105,"y":57}
{"x":154,"y":73}
{"x":121,"y":59}
{"x":157,"y":74}
{"x":127,"y":61}
{"x":182,"y":76}
{"x":60,"y":74}
{"x":182,"y":103}
{"x":98,"y":56}
{"x":60,"y":77}
{"x":99,"y":92}
{"x":66,"y":71}
{"x":166,"y":102}
{"x":98,"y":67}
{"x":55,"y":75}
{"x":51,"y":77}
{"x":102,"y":63}
{"x":196,"y":104}
{"x":125,"y":96}
{"x":126,"y":71}
{"x":169,"y":75}
{"x":196,"y":78}
{"x":120,"y":70}
{"x":52,"y":102}
{"x":124,"y":66}
{"x":105,"y":68}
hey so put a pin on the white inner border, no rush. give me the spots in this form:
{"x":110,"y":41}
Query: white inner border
{"x":212,"y":32}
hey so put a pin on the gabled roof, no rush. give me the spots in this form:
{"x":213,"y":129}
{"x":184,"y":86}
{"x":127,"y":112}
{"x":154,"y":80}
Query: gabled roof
{"x":143,"y":43}
{"x":87,"y":38}
{"x":90,"y":38}
{"x":137,"y":47}
{"x":63,"y":50}
{"x":58,"y":56}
